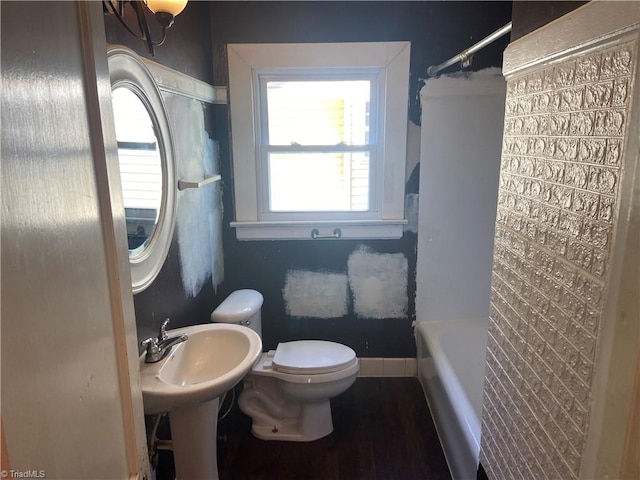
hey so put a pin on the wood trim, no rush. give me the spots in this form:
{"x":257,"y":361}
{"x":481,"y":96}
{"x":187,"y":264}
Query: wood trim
{"x":5,"y":464}
{"x":178,"y":83}
{"x":616,"y":361}
{"x":631,"y":455}
{"x":172,"y":81}
{"x":98,"y":87}
{"x":390,"y":62}
{"x":585,"y":27}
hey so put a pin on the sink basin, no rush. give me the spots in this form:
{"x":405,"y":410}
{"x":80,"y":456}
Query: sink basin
{"x":187,"y":384}
{"x":211,"y":362}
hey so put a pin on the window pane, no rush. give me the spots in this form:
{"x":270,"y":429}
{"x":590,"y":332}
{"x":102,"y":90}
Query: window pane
{"x":138,"y":152}
{"x":318,"y":112}
{"x":316,"y":182}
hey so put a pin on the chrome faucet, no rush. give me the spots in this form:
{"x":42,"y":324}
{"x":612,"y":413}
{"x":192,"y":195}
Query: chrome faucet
{"x":162,"y":334}
{"x":158,"y":348}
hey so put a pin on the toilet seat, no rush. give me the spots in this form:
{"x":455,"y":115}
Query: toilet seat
{"x":312,"y":357}
{"x":337,"y":366}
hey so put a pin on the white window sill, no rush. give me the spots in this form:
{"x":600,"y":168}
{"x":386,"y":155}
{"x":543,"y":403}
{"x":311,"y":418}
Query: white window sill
{"x":327,"y":230}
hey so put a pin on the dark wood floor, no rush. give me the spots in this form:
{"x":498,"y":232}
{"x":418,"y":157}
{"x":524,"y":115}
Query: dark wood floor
{"x":382,"y":431}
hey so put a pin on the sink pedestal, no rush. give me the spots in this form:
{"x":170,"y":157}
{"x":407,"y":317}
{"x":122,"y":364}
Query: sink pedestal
{"x":193,"y":431}
{"x":188,"y":382}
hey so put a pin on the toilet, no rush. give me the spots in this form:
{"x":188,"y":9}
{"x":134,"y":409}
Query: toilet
{"x":287,"y":392}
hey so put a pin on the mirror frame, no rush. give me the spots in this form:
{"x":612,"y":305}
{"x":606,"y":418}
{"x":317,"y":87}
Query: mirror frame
{"x":127,"y":69}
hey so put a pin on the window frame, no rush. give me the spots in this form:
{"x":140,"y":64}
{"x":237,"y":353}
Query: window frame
{"x":249,"y":66}
{"x":264,"y":147}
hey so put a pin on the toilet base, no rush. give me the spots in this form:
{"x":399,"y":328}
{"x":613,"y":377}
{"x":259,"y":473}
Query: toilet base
{"x":314,"y":422}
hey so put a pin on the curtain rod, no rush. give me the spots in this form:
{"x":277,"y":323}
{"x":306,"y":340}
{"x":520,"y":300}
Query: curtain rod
{"x":465,"y":56}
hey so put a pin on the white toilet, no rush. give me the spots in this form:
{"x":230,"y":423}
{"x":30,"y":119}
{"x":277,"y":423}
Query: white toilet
{"x":287,"y":392}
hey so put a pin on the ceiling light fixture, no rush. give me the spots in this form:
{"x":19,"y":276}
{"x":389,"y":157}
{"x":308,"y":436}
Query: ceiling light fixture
{"x":164,"y":10}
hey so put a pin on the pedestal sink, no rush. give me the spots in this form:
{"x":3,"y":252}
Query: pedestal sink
{"x":188,"y":382}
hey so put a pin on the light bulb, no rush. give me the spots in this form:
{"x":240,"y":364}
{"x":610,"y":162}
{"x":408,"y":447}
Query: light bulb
{"x":173,"y":7}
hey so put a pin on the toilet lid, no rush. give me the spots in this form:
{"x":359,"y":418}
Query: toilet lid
{"x":312,"y":357}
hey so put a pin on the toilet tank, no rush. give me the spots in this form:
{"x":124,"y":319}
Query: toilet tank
{"x":242,"y":307}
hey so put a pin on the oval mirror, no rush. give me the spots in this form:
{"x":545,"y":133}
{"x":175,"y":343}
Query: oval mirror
{"x":147,"y":171}
{"x":140,"y":168}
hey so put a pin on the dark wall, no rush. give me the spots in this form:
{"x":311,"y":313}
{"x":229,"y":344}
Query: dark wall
{"x":531,"y":15}
{"x":437,"y":30}
{"x":188,"y":50}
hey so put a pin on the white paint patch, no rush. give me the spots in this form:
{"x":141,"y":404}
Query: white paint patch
{"x":488,"y":81}
{"x":379,"y":283}
{"x":411,"y":212}
{"x":199,"y":213}
{"x":315,"y":294}
{"x":215,"y":208}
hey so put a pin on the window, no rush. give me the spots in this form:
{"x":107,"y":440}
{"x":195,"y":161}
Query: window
{"x":319,"y":139}
{"x":316,"y":143}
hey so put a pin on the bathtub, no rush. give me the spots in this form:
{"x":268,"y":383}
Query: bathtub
{"x":451,"y":363}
